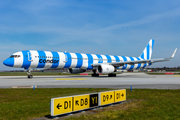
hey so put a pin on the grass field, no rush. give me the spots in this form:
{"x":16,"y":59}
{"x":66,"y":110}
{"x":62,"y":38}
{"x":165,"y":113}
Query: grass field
{"x":147,"y":104}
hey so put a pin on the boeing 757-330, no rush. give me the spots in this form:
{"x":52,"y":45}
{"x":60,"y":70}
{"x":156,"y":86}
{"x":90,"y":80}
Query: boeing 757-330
{"x":80,"y":62}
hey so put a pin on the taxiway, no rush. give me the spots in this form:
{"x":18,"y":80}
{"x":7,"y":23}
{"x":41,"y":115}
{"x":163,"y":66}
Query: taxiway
{"x":125,"y":80}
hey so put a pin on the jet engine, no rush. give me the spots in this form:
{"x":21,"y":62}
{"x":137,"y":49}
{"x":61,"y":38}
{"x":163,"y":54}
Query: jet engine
{"x":105,"y":69}
{"x":76,"y":70}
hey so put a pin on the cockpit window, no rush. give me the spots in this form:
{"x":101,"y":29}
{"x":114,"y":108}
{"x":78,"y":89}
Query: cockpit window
{"x":15,"y":56}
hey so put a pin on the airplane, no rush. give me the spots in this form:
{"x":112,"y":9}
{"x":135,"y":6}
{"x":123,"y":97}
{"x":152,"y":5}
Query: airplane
{"x":80,"y":62}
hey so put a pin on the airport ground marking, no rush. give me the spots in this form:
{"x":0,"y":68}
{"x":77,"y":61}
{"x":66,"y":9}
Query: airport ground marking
{"x":71,"y":79}
{"x":176,"y":75}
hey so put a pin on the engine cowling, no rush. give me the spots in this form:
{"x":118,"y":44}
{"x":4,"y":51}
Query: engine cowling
{"x":76,"y":70}
{"x":105,"y":69}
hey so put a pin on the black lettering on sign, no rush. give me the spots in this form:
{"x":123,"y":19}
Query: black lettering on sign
{"x":106,"y":97}
{"x":86,"y":101}
{"x":77,"y":102}
{"x":117,"y":95}
{"x":122,"y":95}
{"x":66,"y":104}
{"x":82,"y":102}
{"x":59,"y":106}
{"x":93,"y":100}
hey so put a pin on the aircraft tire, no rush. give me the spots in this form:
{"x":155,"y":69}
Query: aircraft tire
{"x":95,"y":75}
{"x":111,"y":75}
{"x":30,"y":76}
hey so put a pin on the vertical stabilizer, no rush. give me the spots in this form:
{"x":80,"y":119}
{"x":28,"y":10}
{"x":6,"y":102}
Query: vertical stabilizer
{"x":147,"y":53}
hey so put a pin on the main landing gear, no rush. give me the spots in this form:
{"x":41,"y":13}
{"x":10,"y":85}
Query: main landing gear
{"x":112,"y":75}
{"x":29,"y":73}
{"x":95,"y":74}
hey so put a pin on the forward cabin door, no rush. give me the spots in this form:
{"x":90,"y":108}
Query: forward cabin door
{"x":30,"y":57}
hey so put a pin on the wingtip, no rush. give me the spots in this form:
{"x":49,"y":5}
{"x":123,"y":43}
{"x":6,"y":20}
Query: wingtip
{"x":174,"y":53}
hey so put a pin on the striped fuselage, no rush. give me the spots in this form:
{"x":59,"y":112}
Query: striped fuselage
{"x":48,"y":59}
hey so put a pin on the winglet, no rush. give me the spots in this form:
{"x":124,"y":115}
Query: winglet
{"x":173,"y":53}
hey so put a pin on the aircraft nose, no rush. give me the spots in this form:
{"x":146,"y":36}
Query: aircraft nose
{"x":8,"y":62}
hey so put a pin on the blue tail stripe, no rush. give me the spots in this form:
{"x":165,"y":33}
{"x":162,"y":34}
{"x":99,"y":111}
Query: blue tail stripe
{"x":117,"y":58}
{"x":108,"y":58}
{"x":147,"y":48}
{"x":90,"y":61}
{"x":26,"y":63}
{"x":55,"y":58}
{"x":142,"y":56}
{"x":152,"y":44}
{"x":132,"y":66}
{"x":139,"y":64}
{"x":125,"y":66}
{"x":42,"y":59}
{"x":68,"y":60}
{"x":79,"y":60}
{"x":100,"y":59}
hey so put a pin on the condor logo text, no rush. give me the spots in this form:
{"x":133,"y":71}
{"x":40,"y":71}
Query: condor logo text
{"x":48,"y":61}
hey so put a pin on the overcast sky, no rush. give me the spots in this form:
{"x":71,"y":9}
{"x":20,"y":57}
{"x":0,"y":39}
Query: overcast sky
{"x":114,"y":27}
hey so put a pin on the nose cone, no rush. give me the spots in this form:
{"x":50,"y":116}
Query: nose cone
{"x":9,"y":62}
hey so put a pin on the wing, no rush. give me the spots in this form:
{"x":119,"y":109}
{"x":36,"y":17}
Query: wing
{"x":117,"y":64}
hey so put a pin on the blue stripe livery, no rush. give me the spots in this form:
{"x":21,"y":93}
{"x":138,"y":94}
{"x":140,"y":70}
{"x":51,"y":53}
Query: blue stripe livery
{"x":79,"y":60}
{"x":139,"y":64}
{"x":42,"y":57}
{"x":142,"y":55}
{"x":117,"y":58}
{"x":125,"y":66}
{"x":108,"y":58}
{"x":55,"y":57}
{"x":90,"y":61}
{"x":102,"y":63}
{"x":68,"y":60}
{"x":132,"y":66}
{"x":100,"y":59}
{"x":147,"y":53}
{"x":26,"y":62}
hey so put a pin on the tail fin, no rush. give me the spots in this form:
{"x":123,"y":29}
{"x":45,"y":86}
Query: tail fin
{"x":147,"y":53}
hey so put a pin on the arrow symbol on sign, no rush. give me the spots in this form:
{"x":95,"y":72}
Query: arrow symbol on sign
{"x":110,"y":96}
{"x":58,"y":106}
{"x":122,"y":95}
{"x":77,"y":102}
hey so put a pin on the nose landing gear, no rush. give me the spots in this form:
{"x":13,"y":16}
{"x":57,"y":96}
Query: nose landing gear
{"x":29,"y":73}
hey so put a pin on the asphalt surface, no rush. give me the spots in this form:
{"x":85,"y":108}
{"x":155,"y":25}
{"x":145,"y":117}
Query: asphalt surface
{"x":125,"y":80}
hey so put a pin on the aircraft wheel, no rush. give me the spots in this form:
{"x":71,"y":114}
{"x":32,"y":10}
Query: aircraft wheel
{"x":30,"y":76}
{"x":95,"y":75}
{"x":111,"y":75}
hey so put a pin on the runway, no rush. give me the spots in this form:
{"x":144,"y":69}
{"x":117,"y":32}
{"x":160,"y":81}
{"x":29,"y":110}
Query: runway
{"x":125,"y":80}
